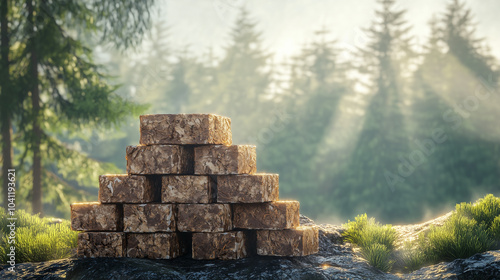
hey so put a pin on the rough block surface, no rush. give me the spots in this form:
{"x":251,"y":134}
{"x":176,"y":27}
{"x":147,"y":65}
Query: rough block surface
{"x":204,"y":217}
{"x":94,"y":216}
{"x":273,"y":215}
{"x":125,"y":188}
{"x":301,"y":241}
{"x":218,"y":159}
{"x":188,"y":189}
{"x":224,"y":245}
{"x":159,"y":159}
{"x":255,"y":188}
{"x":101,"y":244}
{"x":149,"y":217}
{"x":185,"y":129}
{"x":153,"y":245}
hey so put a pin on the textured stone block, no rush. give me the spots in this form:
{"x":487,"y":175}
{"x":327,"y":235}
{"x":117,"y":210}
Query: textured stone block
{"x":224,"y":245}
{"x":301,"y":241}
{"x":159,"y":159}
{"x":247,"y":188}
{"x":218,"y":159}
{"x":149,"y":217}
{"x":125,"y":188}
{"x":153,"y":245}
{"x":183,"y":129}
{"x":94,"y":216}
{"x":101,"y":244}
{"x":204,"y":217}
{"x":188,"y":189}
{"x":273,"y":215}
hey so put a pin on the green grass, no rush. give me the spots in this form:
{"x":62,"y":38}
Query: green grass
{"x":378,"y":255}
{"x":460,"y":237}
{"x":354,"y":229}
{"x":484,"y":211}
{"x":37,"y":239}
{"x":472,"y":228}
{"x":495,"y":230}
{"x":376,"y":241}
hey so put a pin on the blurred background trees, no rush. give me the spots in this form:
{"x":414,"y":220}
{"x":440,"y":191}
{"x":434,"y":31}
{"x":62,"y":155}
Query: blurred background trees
{"x":58,"y":92}
{"x":384,"y":137}
{"x":347,"y":135}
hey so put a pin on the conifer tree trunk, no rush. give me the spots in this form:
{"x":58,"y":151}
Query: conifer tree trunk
{"x":35,"y":102}
{"x":5,"y":126}
{"x":7,"y":154}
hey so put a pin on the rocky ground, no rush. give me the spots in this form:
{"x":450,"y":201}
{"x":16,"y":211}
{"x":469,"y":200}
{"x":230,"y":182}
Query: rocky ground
{"x":335,"y":260}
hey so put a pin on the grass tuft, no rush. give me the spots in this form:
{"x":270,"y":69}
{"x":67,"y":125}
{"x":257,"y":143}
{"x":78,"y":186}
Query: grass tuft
{"x":376,"y":241}
{"x":473,"y":228}
{"x":354,"y":229}
{"x":37,"y":239}
{"x":484,"y":211}
{"x":459,"y":237}
{"x":378,"y":255}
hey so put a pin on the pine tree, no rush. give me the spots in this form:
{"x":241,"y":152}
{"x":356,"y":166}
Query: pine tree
{"x":60,"y":88}
{"x":459,"y":35}
{"x":370,"y":181}
{"x":6,"y":102}
{"x":317,"y":84}
{"x":242,"y":79}
{"x":471,"y":54}
{"x":454,"y":71}
{"x":427,"y":108}
{"x":479,"y":81}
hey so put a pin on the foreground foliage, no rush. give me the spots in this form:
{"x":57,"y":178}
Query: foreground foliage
{"x":36,"y":239}
{"x":470,"y":230}
{"x":473,"y":228}
{"x":376,"y":241}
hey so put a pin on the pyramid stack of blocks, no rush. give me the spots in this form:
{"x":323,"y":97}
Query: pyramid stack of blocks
{"x":189,"y":190}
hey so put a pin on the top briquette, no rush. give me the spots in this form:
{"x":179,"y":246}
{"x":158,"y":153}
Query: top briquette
{"x":185,"y":129}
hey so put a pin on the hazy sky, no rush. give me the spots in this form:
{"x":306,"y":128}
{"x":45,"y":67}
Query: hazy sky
{"x":288,"y":24}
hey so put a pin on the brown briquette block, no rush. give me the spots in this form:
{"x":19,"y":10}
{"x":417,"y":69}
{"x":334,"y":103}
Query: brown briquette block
{"x":185,"y":129}
{"x":301,"y":241}
{"x":187,"y":189}
{"x":123,"y":188}
{"x":271,"y":215}
{"x":101,"y":244}
{"x":245,"y":188}
{"x":204,"y":217}
{"x":151,"y":217}
{"x":153,"y":245}
{"x":94,"y":216}
{"x":222,"y":245}
{"x":218,"y":159}
{"x":159,"y":159}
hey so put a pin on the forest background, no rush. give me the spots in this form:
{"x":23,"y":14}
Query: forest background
{"x":399,"y":118}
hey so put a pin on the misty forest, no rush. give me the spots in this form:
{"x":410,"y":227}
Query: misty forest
{"x":399,"y":128}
